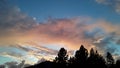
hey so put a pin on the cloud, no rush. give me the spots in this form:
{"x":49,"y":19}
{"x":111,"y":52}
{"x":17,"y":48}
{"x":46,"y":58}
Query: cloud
{"x":117,"y":7}
{"x":69,"y":32}
{"x":104,"y":41}
{"x":76,"y":31}
{"x":106,"y":2}
{"x":62,"y":31}
{"x":34,"y":47}
{"x":18,"y":28}
{"x":115,"y":4}
{"x":29,"y":52}
{"x":110,"y":49}
{"x":13,"y":64}
{"x":13,"y":23}
{"x":118,"y":42}
{"x":2,"y":66}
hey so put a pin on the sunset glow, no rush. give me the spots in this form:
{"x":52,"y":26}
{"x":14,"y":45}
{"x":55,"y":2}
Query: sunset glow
{"x":38,"y":29}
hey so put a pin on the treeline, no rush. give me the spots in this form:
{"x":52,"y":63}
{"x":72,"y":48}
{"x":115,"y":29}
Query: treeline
{"x":81,"y":59}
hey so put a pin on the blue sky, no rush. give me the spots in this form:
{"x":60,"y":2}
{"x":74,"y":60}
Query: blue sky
{"x":62,"y":23}
{"x":42,"y":9}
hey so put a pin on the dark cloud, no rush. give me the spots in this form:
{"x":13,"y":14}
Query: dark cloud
{"x":13,"y":20}
{"x":118,"y":42}
{"x":14,"y":64}
{"x":94,"y":34}
{"x":13,"y":53}
{"x":104,"y":42}
{"x":21,"y":65}
{"x":11,"y":64}
{"x":14,"y":24}
{"x":23,"y":48}
{"x":106,"y":39}
{"x":2,"y":66}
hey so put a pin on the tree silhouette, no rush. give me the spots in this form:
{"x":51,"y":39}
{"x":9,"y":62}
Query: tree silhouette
{"x":81,"y":55}
{"x":95,"y":58}
{"x":81,"y":59}
{"x":91,"y":58}
{"x":118,"y":64}
{"x":109,"y":59}
{"x":62,"y":56}
{"x":71,"y":60}
{"x":92,"y":53}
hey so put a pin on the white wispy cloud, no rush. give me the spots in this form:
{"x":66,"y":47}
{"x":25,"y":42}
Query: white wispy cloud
{"x":114,"y":4}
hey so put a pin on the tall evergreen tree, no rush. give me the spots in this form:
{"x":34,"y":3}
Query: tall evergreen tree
{"x":62,"y":56}
{"x":109,"y":58}
{"x":95,"y":58}
{"x":81,"y":54}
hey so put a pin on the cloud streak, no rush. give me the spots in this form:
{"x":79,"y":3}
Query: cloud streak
{"x":115,"y":4}
{"x":18,"y":28}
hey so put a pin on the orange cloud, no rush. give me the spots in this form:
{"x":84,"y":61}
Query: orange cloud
{"x":72,"y":32}
{"x":16,"y":27}
{"x":69,"y":32}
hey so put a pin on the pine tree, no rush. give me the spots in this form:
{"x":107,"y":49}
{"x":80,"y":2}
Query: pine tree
{"x":109,"y":59}
{"x":62,"y":56}
{"x":81,"y":55}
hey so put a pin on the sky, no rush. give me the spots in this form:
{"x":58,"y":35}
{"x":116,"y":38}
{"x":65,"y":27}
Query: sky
{"x":33,"y":30}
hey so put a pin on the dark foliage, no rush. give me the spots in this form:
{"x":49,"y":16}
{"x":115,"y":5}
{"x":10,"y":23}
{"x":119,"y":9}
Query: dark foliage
{"x":82,"y":59}
{"x":62,"y":57}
